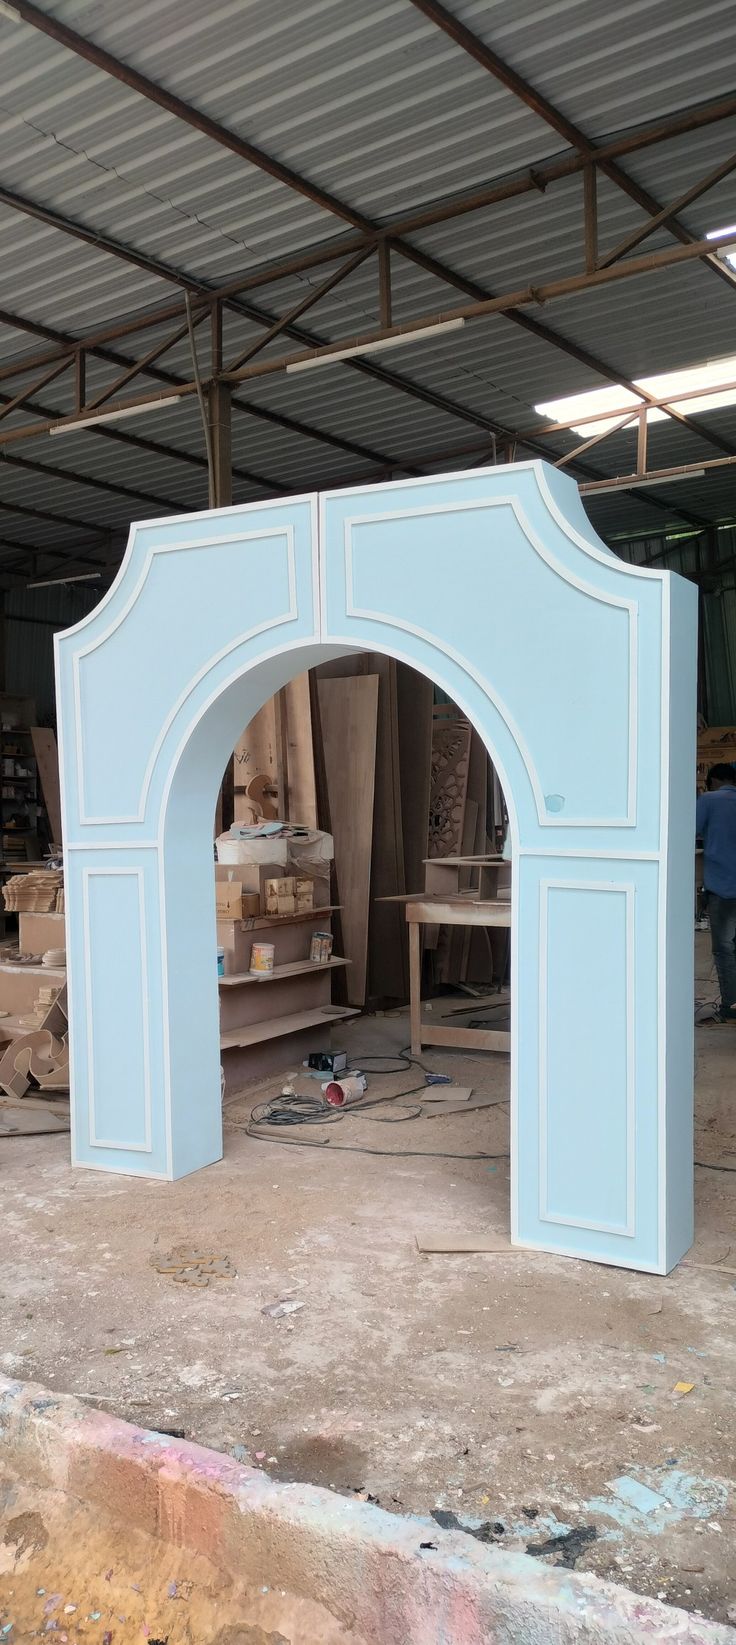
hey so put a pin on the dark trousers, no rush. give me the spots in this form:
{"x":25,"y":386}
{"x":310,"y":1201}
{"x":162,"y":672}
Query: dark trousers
{"x":722,"y":916}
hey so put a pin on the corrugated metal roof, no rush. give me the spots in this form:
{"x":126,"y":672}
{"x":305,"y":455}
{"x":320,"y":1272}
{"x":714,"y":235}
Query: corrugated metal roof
{"x":376,"y":105}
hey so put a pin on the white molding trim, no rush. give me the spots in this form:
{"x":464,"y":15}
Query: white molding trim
{"x":626,"y":889}
{"x":116,"y":872}
{"x":601,"y":596}
{"x":132,"y":844}
{"x":286,"y":532}
{"x":597,"y":853}
{"x":304,"y":640}
{"x":439,"y":679}
{"x":595,"y":550}
{"x":248,"y":509}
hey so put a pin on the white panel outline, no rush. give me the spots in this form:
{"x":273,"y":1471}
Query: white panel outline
{"x":116,"y":871}
{"x":536,"y":466}
{"x":601,"y":596}
{"x":626,"y":889}
{"x":287,"y":533}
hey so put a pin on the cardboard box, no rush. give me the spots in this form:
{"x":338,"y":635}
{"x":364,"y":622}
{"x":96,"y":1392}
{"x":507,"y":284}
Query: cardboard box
{"x":228,"y":899}
{"x":304,"y":895}
{"x":252,"y":879}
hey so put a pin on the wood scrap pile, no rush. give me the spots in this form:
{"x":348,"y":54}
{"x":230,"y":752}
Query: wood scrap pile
{"x":39,"y":1060}
{"x":35,"y":893}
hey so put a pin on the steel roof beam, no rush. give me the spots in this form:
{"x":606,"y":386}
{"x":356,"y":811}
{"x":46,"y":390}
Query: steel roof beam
{"x":123,"y":72}
{"x":294,"y":425}
{"x":164,"y":271}
{"x":82,"y":46}
{"x":554,"y":117}
{"x":535,"y":178}
{"x":177,"y":106}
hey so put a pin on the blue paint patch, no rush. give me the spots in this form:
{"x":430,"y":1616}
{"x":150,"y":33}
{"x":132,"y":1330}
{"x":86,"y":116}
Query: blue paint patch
{"x":554,"y":802}
{"x":661,"y":1497}
{"x":638,"y":1496}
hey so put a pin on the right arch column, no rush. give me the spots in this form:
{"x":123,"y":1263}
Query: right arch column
{"x":579,"y":671}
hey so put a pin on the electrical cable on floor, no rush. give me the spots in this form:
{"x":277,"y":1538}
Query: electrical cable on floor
{"x":285,"y":1112}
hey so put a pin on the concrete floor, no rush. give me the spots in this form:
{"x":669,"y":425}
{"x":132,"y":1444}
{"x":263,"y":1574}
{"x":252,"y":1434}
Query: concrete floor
{"x":521,"y":1390}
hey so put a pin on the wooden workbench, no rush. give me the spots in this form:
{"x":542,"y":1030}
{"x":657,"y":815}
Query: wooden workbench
{"x":433,"y":910}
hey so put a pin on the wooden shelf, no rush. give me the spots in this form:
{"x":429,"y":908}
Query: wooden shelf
{"x":260,"y":922}
{"x":296,"y":968}
{"x":294,"y":1023}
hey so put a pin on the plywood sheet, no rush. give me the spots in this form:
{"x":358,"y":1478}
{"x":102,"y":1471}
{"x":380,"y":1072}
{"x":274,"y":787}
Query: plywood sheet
{"x":349,"y":719}
{"x":47,"y":760}
{"x":255,"y":768}
{"x":299,"y":800}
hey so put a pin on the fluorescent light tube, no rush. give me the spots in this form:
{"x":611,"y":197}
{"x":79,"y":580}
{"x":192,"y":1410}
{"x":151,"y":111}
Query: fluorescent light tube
{"x":71,"y":426}
{"x":53,"y":582}
{"x":418,"y":336}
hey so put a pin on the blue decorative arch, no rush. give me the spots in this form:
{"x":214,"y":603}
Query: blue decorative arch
{"x":579,"y":673}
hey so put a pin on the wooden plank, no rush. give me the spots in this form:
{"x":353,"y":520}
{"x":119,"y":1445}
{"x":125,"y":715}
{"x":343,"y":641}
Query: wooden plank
{"x":349,"y":718}
{"x":299,"y":797}
{"x":415,"y":989}
{"x":466,"y":911}
{"x":476,"y":1039}
{"x":275,"y":1027}
{"x":414,"y":693}
{"x":255,"y":768}
{"x":450,"y":1244}
{"x":436,"y":1109}
{"x":47,"y":760}
{"x":294,"y":968}
{"x":388,"y":958}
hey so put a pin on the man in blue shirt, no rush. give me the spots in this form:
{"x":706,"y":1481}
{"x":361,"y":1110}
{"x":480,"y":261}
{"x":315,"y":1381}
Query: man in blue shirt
{"x":716,"y":827}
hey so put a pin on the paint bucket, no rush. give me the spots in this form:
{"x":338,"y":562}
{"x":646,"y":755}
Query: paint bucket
{"x":220,"y":962}
{"x":339,"y":1093}
{"x":261,"y":959}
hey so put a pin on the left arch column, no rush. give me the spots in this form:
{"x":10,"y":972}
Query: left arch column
{"x":117,"y":1030}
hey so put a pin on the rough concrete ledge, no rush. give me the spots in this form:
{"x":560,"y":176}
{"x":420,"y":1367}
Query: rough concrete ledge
{"x":364,"y":1566}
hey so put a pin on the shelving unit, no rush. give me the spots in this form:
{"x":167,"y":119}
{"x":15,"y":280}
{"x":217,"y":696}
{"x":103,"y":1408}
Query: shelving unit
{"x":292,"y":1003}
{"x":19,"y":842}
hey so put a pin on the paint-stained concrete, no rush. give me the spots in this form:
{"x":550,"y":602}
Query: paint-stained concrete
{"x":301,"y":1565}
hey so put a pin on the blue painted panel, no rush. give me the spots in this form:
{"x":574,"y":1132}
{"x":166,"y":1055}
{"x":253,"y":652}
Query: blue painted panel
{"x":498,"y":579}
{"x":224,"y":582}
{"x":587,"y":1072}
{"x":115,"y":1031}
{"x":578,"y":643}
{"x":608,"y":1010}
